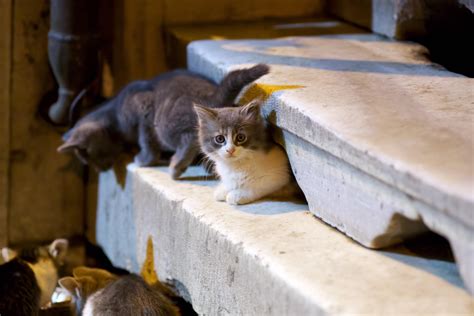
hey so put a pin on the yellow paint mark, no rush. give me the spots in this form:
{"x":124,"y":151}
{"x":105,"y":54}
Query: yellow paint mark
{"x":264,"y":91}
{"x":217,"y":37}
{"x":148,"y":269}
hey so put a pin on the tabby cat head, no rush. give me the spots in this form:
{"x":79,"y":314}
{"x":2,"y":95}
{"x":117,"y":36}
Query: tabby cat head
{"x":233,"y":133}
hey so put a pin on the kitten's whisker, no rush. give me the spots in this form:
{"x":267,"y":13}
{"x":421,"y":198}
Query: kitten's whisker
{"x":206,"y":163}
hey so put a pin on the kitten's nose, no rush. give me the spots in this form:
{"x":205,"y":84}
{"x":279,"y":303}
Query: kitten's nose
{"x":231,"y":150}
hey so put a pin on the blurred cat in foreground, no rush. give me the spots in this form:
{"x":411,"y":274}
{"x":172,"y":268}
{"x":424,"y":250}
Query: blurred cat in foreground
{"x":29,"y":276}
{"x":99,"y":292}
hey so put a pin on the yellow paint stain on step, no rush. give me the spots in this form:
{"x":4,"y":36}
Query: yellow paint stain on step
{"x":264,"y":91}
{"x":148,"y":269}
{"x":217,"y":37}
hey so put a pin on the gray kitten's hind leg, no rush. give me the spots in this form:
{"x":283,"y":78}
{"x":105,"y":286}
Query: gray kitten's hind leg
{"x":186,"y":152}
{"x":149,"y":148}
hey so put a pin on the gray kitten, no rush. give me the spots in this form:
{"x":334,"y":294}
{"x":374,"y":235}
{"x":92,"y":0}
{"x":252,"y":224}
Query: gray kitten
{"x":98,"y":292}
{"x":157,"y":115}
{"x":250,"y":165}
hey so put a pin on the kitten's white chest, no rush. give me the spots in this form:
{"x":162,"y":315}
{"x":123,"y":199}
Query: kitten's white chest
{"x":260,"y":169}
{"x":236,"y":175}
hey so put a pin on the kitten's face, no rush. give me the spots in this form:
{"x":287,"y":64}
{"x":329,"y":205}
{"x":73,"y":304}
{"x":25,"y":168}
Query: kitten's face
{"x":231,"y":134}
{"x":92,"y":145}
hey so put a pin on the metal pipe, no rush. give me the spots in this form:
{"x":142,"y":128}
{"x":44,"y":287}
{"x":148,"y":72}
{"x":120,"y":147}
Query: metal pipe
{"x":73,"y":48}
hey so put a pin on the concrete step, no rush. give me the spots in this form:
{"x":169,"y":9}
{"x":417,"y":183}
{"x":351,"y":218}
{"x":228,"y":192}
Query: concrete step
{"x":177,"y":37}
{"x":380,"y":139}
{"x":266,"y":258}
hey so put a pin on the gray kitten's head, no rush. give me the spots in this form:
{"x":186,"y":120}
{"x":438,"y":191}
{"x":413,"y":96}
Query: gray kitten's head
{"x":91,"y":142}
{"x":233,"y":133}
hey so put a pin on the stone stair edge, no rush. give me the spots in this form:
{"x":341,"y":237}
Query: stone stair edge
{"x":360,"y":158}
{"x":185,"y":202}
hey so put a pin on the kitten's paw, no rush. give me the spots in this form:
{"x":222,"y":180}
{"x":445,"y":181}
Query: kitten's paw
{"x":220,"y":194}
{"x":144,"y":159}
{"x":237,"y":197}
{"x":176,"y":172}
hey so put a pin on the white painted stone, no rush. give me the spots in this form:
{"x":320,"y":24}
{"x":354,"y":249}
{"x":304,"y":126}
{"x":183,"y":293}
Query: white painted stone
{"x":267,"y":258}
{"x":374,"y":103}
{"x":388,"y":133}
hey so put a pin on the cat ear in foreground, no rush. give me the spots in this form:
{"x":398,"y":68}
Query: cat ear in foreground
{"x":8,"y":254}
{"x":58,"y":249}
{"x":252,"y":109}
{"x":79,"y":287}
{"x":92,"y":272}
{"x":204,"y":113}
{"x":69,"y":284}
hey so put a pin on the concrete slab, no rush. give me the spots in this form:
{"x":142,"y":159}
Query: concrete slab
{"x":267,"y":258}
{"x":398,"y":127}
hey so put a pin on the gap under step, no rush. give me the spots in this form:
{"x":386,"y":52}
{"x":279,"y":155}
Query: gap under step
{"x":266,"y":258}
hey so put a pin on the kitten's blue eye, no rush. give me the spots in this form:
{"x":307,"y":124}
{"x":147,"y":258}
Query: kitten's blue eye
{"x":240,"y":138}
{"x":219,"y":139}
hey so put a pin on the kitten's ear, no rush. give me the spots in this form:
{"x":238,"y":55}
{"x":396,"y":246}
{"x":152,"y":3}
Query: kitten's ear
{"x":204,"y":113}
{"x":58,"y":249}
{"x":92,"y":272}
{"x":81,"y":271}
{"x":69,"y":145}
{"x":252,"y":109}
{"x":8,"y":254}
{"x":77,"y":147}
{"x":70,"y":284}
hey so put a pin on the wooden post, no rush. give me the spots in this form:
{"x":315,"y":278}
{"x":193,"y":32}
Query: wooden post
{"x":5,"y":90}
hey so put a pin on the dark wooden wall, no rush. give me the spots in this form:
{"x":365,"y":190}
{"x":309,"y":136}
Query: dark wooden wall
{"x":41,"y":192}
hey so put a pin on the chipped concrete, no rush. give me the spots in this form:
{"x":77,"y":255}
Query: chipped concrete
{"x":266,"y":258}
{"x":398,"y":127}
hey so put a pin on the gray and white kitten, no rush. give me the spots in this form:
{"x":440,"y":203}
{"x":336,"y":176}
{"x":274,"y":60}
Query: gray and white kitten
{"x":157,"y":116}
{"x":250,"y":165}
{"x":99,"y":292}
{"x":29,"y":276}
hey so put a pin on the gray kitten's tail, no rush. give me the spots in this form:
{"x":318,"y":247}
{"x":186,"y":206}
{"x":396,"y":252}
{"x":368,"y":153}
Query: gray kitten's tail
{"x":234,"y":82}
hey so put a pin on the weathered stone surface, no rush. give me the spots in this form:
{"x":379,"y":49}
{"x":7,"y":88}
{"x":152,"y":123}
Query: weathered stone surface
{"x":342,"y":194}
{"x":375,"y":104}
{"x":405,"y":19}
{"x":396,"y":19}
{"x":395,"y":125}
{"x":267,"y":258}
